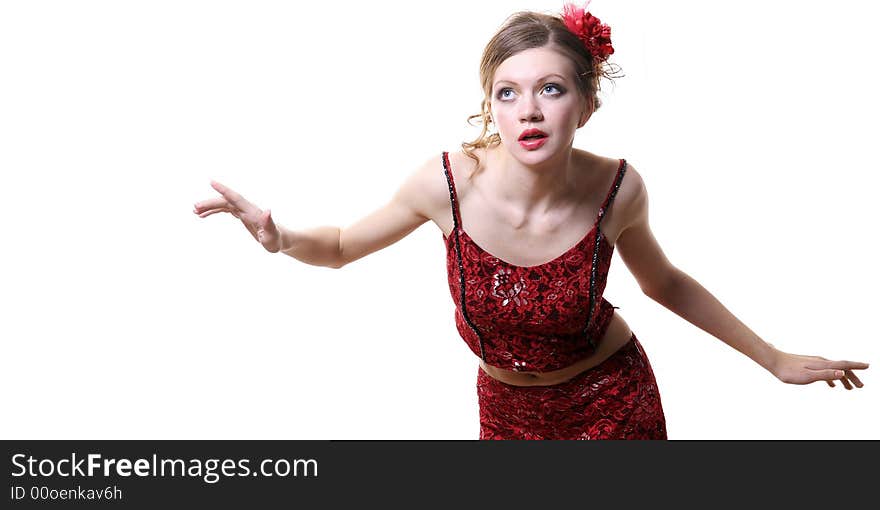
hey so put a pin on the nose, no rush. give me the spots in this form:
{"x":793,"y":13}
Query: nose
{"x":529,"y":111}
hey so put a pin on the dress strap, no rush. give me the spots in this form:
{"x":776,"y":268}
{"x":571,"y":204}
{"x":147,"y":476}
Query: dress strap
{"x":456,"y":220}
{"x":613,"y":191}
{"x":594,"y":267}
{"x":453,"y":196}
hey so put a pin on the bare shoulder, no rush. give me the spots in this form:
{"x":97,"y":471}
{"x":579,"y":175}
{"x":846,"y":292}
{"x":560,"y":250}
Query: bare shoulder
{"x":636,"y":243}
{"x":461,"y":168}
{"x":419,"y":198}
{"x":631,"y":195}
{"x":426,"y":189}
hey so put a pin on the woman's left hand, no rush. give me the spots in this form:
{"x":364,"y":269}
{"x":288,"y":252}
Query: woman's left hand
{"x":797,"y":369}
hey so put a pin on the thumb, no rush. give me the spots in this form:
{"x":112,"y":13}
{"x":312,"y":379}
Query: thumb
{"x":270,"y":237}
{"x":266,"y":222}
{"x":266,"y":226}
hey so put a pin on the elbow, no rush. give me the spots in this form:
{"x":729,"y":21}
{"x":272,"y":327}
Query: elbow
{"x":340,"y":261}
{"x":661,"y":286}
{"x":651,"y":293}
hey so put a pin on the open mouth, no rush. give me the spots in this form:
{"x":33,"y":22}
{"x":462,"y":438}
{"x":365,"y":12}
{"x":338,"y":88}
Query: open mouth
{"x":533,"y":142}
{"x":532,"y":134}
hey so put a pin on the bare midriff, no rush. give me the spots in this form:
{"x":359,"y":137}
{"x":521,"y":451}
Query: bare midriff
{"x":616,"y":336}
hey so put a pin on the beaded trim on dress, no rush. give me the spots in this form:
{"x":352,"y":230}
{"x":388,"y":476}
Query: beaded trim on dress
{"x":535,"y":318}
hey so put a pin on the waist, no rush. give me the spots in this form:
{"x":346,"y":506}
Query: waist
{"x":616,"y":336}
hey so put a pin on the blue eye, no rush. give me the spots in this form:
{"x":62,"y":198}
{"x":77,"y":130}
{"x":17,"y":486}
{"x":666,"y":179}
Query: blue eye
{"x":559,"y":92}
{"x":502,"y":91}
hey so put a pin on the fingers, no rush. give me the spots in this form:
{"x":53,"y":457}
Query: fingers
{"x":233,"y":197}
{"x":847,"y":365}
{"x":211,"y":203}
{"x":838,"y":365}
{"x":209,"y":212}
{"x":258,"y":223}
{"x":854,"y":379}
{"x":211,"y":206}
{"x":225,"y":203}
{"x":219,"y":187}
{"x":843,"y":370}
{"x":829,"y":375}
{"x":845,"y":377}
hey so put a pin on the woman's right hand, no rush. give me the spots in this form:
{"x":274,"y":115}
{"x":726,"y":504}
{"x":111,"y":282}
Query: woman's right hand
{"x":259,"y":223}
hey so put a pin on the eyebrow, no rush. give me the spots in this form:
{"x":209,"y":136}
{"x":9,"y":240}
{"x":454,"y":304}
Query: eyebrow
{"x":540,"y":79}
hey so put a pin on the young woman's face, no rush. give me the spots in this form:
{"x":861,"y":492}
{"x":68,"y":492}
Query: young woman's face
{"x":535,"y":89}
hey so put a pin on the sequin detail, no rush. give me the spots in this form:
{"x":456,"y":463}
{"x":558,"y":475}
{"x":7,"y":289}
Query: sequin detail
{"x":508,"y":290}
{"x":617,"y":399}
{"x":594,"y":266}
{"x":455,"y":216}
{"x":534,"y":318}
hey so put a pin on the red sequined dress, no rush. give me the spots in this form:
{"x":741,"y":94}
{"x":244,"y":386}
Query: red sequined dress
{"x":542,"y":318}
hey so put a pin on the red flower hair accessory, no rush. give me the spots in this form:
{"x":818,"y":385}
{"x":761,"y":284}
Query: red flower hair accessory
{"x":595,"y":35}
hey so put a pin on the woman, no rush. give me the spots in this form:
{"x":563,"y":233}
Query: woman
{"x":530,"y":225}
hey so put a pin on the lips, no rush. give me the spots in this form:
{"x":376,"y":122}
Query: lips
{"x":532,"y":144}
{"x":532,"y":134}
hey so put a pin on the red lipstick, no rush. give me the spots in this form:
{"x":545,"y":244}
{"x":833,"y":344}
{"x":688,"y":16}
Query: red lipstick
{"x":532,"y":138}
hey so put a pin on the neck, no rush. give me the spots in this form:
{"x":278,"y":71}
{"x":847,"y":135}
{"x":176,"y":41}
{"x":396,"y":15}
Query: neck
{"x":532,"y":189}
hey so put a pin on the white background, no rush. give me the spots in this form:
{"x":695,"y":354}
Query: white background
{"x":125,"y":315}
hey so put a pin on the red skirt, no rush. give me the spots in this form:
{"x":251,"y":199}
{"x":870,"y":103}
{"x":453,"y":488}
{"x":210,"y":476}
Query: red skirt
{"x":616,"y":399}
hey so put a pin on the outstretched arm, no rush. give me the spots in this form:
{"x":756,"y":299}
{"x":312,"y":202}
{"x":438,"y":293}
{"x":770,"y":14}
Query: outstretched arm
{"x":677,"y":291}
{"x":407,"y":209}
{"x":420,"y":196}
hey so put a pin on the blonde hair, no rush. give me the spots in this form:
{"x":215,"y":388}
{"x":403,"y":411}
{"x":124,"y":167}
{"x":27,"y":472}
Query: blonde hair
{"x":522,"y":31}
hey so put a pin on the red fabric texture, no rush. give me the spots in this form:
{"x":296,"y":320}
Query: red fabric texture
{"x":617,"y":399}
{"x":530,"y":318}
{"x":540,"y":318}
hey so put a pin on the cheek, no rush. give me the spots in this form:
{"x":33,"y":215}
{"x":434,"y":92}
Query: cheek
{"x":503,"y":120}
{"x":568,"y":112}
